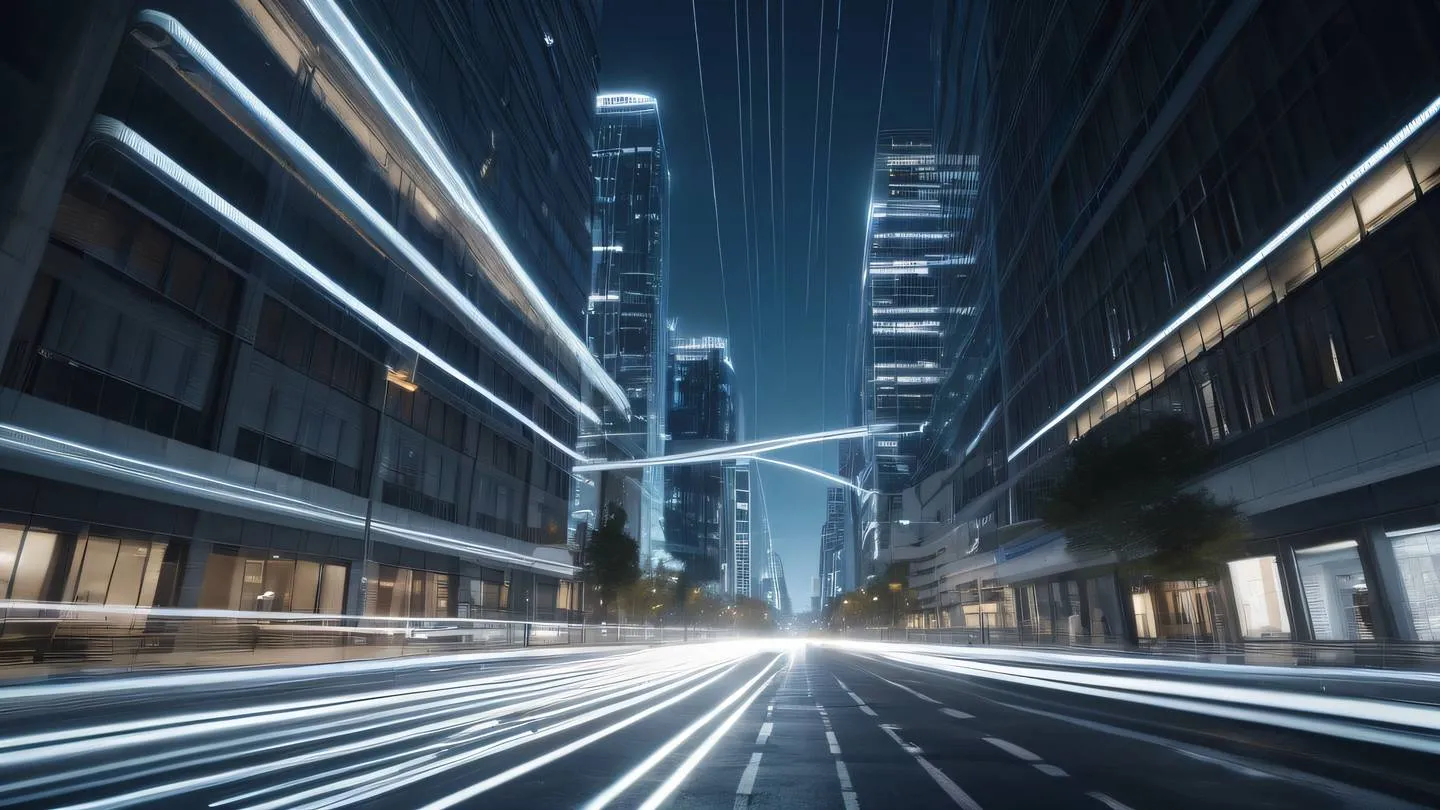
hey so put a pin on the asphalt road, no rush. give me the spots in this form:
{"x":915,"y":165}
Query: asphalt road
{"x":737,"y":725}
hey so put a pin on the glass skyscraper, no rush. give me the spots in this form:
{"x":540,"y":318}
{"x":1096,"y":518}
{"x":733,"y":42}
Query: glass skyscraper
{"x":833,"y":556}
{"x":704,"y":413}
{"x":911,"y":269}
{"x":625,"y":317}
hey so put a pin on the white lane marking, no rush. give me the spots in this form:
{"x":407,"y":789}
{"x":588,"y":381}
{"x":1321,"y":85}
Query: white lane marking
{"x":868,"y":710}
{"x":847,"y":790}
{"x":905,"y":688}
{"x":957,"y":714}
{"x":948,"y":785}
{"x":796,"y":708}
{"x":834,"y":743}
{"x":765,"y":729}
{"x":1012,"y":749}
{"x":747,"y":782}
{"x":1108,"y":801}
{"x":1050,"y":770}
{"x":842,"y":683}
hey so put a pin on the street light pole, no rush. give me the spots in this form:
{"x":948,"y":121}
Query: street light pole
{"x":406,"y":381}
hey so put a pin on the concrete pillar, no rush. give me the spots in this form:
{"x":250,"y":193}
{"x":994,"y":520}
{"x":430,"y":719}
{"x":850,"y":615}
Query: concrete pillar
{"x":50,"y":100}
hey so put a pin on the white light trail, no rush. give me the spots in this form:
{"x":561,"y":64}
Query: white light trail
{"x":623,"y":783}
{"x":731,"y":451}
{"x":168,"y":171}
{"x":703,"y":750}
{"x":1386,"y":149}
{"x":352,"y":48}
{"x":832,"y":478}
{"x":302,"y":155}
{"x":114,"y":465}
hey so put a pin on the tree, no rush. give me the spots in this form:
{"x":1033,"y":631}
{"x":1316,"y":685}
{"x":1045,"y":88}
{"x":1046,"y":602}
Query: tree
{"x":1131,"y":497}
{"x":612,"y":557}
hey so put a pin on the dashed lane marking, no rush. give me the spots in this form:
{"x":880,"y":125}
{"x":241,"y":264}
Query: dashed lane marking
{"x":847,"y":790}
{"x":1108,"y":801}
{"x":1050,"y":770}
{"x":957,"y":714}
{"x":765,"y":729}
{"x":1012,"y":749}
{"x":747,"y":782}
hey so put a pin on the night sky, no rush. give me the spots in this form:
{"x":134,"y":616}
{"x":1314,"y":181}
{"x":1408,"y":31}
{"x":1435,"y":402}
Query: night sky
{"x":791,"y":348}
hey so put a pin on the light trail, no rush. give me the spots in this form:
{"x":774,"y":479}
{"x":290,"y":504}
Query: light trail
{"x":732,"y":451}
{"x":351,"y":47}
{"x":171,"y":174}
{"x":410,"y":734}
{"x":328,"y":183}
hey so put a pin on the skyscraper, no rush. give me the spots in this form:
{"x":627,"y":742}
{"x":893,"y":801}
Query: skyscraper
{"x":277,"y":341}
{"x":1213,"y":211}
{"x":911,"y":270}
{"x":704,"y":413}
{"x":833,"y":556}
{"x":625,"y":318}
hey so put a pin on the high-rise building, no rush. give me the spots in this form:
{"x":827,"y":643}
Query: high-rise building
{"x":1217,"y":211}
{"x":774,"y":590}
{"x":912,"y":271}
{"x":293,"y":304}
{"x":625,"y":318}
{"x":833,"y":548}
{"x":704,"y":413}
{"x":737,"y":546}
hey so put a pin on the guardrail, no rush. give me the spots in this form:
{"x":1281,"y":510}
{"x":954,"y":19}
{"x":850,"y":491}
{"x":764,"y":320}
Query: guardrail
{"x":1409,"y":655}
{"x":38,"y":638}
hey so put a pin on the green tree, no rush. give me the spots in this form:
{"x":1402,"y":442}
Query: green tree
{"x":1131,"y":497}
{"x":612,"y":557}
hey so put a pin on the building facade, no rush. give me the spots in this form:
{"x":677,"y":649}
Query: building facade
{"x":833,"y":546}
{"x":704,"y":413}
{"x":282,"y":335}
{"x":1220,"y":211}
{"x":625,"y":317}
{"x":912,"y":271}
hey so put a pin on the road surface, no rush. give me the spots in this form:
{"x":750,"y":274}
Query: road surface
{"x":729,"y":725}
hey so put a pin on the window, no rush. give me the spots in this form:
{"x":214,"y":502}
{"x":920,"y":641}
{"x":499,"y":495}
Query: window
{"x":1258,"y":597}
{"x":1416,"y":559}
{"x":1336,"y":595}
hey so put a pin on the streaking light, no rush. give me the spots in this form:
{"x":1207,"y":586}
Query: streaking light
{"x":732,"y":450}
{"x":1280,"y":238}
{"x":351,"y":46}
{"x":172,"y":174}
{"x":302,"y":155}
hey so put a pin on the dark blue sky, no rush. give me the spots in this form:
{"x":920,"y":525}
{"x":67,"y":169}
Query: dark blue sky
{"x":790,"y":347}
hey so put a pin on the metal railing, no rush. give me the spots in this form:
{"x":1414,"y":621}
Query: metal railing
{"x":38,"y":638}
{"x":1407,"y":655}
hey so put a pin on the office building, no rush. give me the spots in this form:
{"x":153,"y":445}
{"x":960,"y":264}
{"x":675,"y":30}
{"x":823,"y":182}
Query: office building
{"x":912,"y":274}
{"x":833,"y":546}
{"x":293,"y":311}
{"x":1221,"y":211}
{"x":704,"y":414}
{"x":625,"y":317}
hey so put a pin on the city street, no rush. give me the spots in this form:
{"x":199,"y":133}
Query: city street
{"x":759,"y":724}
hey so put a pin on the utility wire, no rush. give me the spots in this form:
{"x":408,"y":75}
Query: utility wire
{"x":710,"y":156}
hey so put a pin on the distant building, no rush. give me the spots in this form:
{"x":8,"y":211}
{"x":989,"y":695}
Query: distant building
{"x":912,"y":267}
{"x":625,"y":316}
{"x":704,"y":412}
{"x":833,"y":553}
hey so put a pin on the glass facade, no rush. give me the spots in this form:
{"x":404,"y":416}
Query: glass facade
{"x":626,"y":315}
{"x":172,"y":331}
{"x":704,"y":412}
{"x":1140,"y":172}
{"x":832,"y":545}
